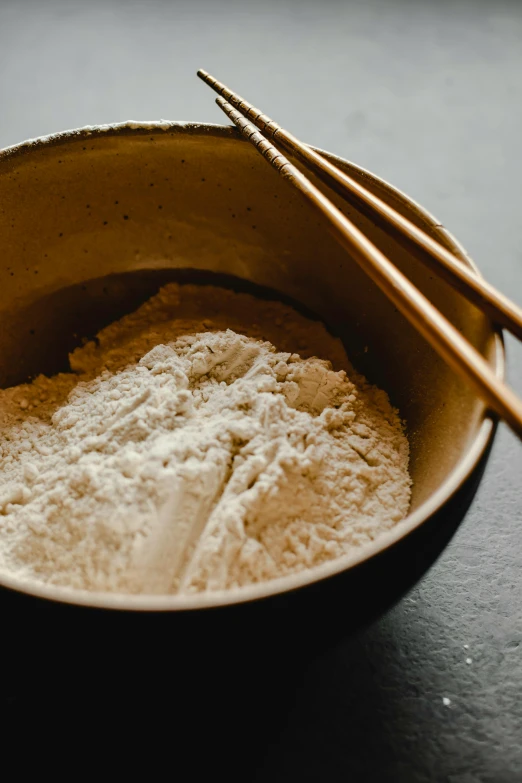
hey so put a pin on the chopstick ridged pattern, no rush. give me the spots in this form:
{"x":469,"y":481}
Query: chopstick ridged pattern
{"x":268,"y":126}
{"x":267,"y":150}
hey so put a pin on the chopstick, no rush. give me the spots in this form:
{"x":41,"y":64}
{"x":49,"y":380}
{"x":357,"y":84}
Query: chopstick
{"x":485,"y":296}
{"x":436,"y":329}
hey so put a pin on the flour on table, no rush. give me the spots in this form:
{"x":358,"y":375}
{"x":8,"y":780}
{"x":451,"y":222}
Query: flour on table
{"x":197,"y":445}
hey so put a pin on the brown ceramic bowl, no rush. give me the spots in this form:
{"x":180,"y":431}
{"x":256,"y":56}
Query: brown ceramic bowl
{"x":93,"y":221}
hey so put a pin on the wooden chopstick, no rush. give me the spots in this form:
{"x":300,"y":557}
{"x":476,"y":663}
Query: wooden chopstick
{"x":472,"y":286}
{"x":436,"y":329}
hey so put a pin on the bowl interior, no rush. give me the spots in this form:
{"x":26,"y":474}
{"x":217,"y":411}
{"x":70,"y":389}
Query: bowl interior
{"x":91,"y":224}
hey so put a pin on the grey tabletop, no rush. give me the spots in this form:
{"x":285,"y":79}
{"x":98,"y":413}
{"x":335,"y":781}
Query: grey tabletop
{"x":429,"y":96}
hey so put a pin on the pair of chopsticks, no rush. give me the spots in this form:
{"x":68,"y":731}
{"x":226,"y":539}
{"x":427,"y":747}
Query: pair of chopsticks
{"x":434,"y":327}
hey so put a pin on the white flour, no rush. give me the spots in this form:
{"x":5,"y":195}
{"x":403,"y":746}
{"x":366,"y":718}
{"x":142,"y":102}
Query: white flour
{"x":183,"y":456}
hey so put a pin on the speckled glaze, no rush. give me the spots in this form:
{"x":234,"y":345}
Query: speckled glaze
{"x":93,"y":220}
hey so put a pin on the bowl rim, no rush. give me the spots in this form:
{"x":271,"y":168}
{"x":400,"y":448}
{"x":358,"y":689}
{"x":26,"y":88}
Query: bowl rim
{"x":475,"y":451}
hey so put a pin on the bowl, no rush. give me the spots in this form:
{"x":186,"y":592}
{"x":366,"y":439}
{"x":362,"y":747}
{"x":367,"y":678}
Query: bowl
{"x":93,"y":221}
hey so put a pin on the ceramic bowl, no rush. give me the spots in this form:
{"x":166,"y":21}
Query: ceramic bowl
{"x":93,"y":221}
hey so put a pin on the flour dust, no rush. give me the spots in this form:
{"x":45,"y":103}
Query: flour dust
{"x":198,"y":444}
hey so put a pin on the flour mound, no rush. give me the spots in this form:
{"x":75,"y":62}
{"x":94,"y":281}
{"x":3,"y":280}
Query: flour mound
{"x":207,"y":461}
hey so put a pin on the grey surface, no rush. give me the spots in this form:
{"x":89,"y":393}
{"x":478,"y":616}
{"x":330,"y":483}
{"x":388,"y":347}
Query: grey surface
{"x":427,"y":95}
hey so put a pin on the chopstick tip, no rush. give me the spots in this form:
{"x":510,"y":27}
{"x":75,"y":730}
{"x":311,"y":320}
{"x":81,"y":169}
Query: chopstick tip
{"x":203,"y":74}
